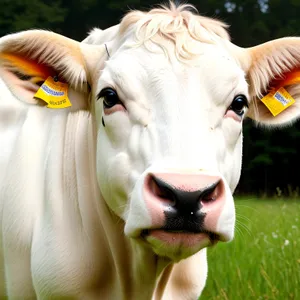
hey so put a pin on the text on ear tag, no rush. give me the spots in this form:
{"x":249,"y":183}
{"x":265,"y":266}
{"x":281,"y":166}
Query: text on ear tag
{"x":278,"y":100}
{"x":54,"y":93}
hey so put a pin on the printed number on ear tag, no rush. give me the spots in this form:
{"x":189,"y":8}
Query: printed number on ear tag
{"x":278,"y":101}
{"x":54,"y":93}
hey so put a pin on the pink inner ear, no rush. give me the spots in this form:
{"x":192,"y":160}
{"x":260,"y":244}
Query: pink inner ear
{"x":292,"y":77}
{"x":23,"y":76}
{"x":25,"y":65}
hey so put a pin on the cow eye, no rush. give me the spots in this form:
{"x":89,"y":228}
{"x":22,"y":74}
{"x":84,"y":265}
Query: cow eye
{"x":238,"y":104}
{"x":110,"y":97}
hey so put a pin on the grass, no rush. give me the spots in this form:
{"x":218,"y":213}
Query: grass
{"x":263,"y":261}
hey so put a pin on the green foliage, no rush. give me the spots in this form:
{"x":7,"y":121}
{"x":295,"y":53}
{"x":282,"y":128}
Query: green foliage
{"x":268,"y":155}
{"x":263,"y":261}
{"x":20,"y":15}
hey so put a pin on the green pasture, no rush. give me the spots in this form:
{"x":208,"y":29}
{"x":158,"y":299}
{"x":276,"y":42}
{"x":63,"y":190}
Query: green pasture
{"x":263,"y":261}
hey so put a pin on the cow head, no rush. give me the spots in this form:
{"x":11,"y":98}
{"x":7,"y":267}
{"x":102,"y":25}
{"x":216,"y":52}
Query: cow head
{"x":169,"y":102}
{"x":169,"y":92}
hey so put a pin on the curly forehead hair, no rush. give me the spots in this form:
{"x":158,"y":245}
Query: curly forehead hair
{"x":179,"y":24}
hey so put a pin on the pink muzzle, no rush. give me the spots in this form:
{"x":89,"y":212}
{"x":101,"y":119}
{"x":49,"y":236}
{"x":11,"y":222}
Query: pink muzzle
{"x":184,"y":203}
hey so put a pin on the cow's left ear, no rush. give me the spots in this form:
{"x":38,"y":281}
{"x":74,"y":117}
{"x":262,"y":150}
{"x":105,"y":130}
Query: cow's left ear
{"x":29,"y":58}
{"x":273,"y":73}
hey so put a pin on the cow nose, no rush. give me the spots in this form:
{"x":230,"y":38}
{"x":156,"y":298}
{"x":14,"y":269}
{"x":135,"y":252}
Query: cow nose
{"x":183,"y":199}
{"x":186,"y":198}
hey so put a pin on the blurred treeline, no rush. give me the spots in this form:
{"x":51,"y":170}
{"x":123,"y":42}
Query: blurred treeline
{"x":271,"y":159}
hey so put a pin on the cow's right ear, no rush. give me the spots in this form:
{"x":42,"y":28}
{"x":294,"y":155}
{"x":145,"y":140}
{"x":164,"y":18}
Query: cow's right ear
{"x":28,"y":58}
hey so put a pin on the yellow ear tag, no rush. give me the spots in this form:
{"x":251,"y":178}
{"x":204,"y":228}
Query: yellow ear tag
{"x":278,"y":101}
{"x":54,"y":93}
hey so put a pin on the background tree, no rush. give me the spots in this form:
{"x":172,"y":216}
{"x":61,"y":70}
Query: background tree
{"x":21,"y":15}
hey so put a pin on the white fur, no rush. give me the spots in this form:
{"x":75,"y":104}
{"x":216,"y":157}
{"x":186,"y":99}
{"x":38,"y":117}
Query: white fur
{"x":71,"y":197}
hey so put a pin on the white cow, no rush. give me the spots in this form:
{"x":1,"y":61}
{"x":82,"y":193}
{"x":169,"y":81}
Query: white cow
{"x":117,"y":196}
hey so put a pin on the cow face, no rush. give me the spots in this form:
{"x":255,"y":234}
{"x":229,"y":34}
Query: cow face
{"x":169,"y":138}
{"x":169,"y":107}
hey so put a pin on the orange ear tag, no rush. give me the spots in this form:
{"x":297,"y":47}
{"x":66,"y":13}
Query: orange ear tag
{"x":54,"y":93}
{"x":279,"y":99}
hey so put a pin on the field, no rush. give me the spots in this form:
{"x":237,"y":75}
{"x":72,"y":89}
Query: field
{"x":263,"y":262}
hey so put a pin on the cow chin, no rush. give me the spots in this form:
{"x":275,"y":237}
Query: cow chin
{"x":177,"y":245}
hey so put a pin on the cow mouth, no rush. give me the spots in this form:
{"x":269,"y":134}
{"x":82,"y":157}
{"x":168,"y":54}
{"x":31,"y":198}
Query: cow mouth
{"x":184,"y":238}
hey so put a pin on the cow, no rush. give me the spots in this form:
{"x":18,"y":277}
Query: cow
{"x":116,"y":190}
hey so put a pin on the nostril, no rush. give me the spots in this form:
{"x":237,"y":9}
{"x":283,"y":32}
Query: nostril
{"x":155,"y":189}
{"x":211,"y":193}
{"x":159,"y":189}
